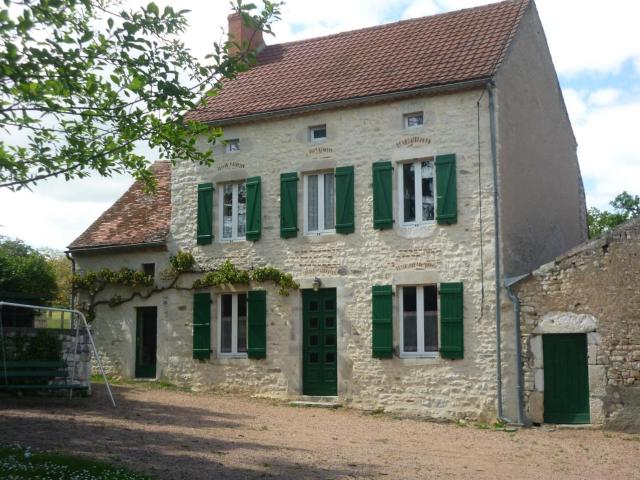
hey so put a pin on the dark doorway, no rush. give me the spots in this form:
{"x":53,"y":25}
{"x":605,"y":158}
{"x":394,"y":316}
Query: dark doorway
{"x":320,"y":361}
{"x":146,"y":341}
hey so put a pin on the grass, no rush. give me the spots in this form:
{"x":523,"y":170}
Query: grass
{"x":17,"y":463}
{"x":147,"y":384}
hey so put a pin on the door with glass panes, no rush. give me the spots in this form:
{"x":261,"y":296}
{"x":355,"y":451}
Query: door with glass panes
{"x":320,"y":359}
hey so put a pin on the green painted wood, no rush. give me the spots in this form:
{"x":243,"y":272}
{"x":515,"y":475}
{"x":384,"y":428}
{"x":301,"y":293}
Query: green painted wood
{"x":205,"y":214}
{"x":288,"y":205}
{"x":257,"y":324}
{"x":382,"y":195}
{"x":382,"y":321}
{"x":146,"y":342}
{"x":566,"y":378}
{"x":201,"y":325}
{"x":254,"y":209}
{"x":446,"y":190}
{"x":451,"y":321}
{"x":345,"y":200}
{"x":319,"y":343}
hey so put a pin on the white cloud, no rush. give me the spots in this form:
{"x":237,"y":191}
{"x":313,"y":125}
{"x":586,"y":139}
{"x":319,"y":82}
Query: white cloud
{"x":605,"y":96}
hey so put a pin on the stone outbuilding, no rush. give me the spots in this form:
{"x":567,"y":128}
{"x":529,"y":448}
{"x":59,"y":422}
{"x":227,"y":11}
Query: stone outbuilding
{"x":580,"y":318}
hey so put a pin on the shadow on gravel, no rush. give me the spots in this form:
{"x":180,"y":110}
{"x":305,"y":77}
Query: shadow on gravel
{"x":92,"y":427}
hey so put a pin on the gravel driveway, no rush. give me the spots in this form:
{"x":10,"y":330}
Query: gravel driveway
{"x":179,"y":435}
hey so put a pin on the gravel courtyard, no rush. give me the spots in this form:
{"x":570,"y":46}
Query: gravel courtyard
{"x":179,"y":435}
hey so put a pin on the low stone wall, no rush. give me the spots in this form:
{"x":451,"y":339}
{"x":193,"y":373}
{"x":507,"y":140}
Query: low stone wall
{"x":593,"y":289}
{"x":79,"y":359}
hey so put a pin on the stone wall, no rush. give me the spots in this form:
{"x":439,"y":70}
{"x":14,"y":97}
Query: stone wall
{"x":78,"y":360}
{"x":592,"y":289}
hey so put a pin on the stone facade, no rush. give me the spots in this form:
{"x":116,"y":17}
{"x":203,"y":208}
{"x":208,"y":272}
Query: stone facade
{"x":457,"y":122}
{"x":593,"y":290}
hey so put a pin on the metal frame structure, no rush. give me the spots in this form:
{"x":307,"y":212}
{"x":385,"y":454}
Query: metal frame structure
{"x":74,"y":315}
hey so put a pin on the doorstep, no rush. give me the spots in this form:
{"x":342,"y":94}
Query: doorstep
{"x":317,"y":402}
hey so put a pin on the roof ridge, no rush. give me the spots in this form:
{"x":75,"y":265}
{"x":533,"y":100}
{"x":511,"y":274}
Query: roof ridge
{"x":397,"y":22}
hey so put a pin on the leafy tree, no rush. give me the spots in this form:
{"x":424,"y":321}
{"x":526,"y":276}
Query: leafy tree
{"x":626,"y":206}
{"x":61,"y":267}
{"x":24,"y":272}
{"x":89,"y":81}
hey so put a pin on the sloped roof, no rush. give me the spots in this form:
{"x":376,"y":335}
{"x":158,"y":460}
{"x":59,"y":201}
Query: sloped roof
{"x":439,"y":50}
{"x":137,"y":218}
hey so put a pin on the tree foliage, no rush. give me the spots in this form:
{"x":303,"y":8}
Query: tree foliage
{"x":25,"y":273}
{"x":87,"y":81}
{"x":625,"y":205}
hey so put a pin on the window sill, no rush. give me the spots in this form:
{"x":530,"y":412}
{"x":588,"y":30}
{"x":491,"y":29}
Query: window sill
{"x":319,"y":234}
{"x":420,"y":355}
{"x":232,"y":240}
{"x":226,"y":356}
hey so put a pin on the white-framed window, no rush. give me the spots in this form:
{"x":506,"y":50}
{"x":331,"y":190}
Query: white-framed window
{"x":232,"y":145}
{"x":319,"y":203}
{"x":416,"y":187}
{"x":232,"y":211}
{"x":318,"y":133}
{"x":418,"y":306}
{"x":232,"y":325}
{"x":413,"y":120}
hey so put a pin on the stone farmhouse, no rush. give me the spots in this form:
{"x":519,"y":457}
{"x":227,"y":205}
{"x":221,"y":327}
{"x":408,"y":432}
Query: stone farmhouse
{"x":402,"y":174}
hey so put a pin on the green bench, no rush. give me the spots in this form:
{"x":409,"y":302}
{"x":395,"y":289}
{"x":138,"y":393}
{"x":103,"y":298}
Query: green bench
{"x":35,"y":375}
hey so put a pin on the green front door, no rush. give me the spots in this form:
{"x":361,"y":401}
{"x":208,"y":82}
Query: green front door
{"x":320,"y":360}
{"x":146,"y":341}
{"x":566,"y":378}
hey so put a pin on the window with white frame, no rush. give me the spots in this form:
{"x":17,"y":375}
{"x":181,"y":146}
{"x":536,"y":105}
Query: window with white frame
{"x":318,"y":133}
{"x":418,"y":320}
{"x":232,"y":145}
{"x":233,"y":211}
{"x":413,"y":120}
{"x":417,"y":192}
{"x":319,"y":203}
{"x":232,"y":325}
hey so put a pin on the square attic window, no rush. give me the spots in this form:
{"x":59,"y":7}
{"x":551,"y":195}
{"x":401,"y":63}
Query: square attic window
{"x":318,"y":133}
{"x":413,"y":120}
{"x":232,"y":145}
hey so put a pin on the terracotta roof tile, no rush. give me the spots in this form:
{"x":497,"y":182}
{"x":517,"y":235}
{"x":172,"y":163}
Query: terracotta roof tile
{"x":136,"y":217}
{"x":443,"y":49}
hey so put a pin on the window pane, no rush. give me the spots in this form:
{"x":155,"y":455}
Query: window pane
{"x":430,"y":318}
{"x":227,"y":210}
{"x":329,"y":201}
{"x":312,"y":207}
{"x":242,"y":323}
{"x":408,"y":192}
{"x":226,"y":324}
{"x":415,"y":120}
{"x":427,"y":191}
{"x":242,"y":208}
{"x":409,"y":319}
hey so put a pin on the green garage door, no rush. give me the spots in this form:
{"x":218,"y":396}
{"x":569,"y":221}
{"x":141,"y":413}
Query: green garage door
{"x":320,"y":361}
{"x":566,"y":378}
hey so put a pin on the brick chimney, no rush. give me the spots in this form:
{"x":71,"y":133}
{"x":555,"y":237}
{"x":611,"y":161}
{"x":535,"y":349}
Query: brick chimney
{"x":241,"y":34}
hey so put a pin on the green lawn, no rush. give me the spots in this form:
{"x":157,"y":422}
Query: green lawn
{"x":18,"y":463}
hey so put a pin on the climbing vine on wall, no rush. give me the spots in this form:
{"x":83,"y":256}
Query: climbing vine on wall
{"x":183,"y":262}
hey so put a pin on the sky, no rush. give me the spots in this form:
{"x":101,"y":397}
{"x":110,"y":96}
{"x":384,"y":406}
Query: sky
{"x":595,"y":46}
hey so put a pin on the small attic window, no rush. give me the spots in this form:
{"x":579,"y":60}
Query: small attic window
{"x":318,"y":133}
{"x":149,"y":269}
{"x":232,"y":145}
{"x":413,"y":120}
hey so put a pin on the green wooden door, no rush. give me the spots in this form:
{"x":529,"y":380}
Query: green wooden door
{"x":146,"y":341}
{"x":320,"y":360}
{"x":566,"y":378}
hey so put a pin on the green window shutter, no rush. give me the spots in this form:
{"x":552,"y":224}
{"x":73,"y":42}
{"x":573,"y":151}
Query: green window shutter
{"x":382,"y":321}
{"x":201,"y":325}
{"x":257,"y":324}
{"x":451,"y":323}
{"x":254,"y":208}
{"x":446,"y":190}
{"x":205,"y":213}
{"x":382,"y":195}
{"x":345,"y":206}
{"x":288,"y":205}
